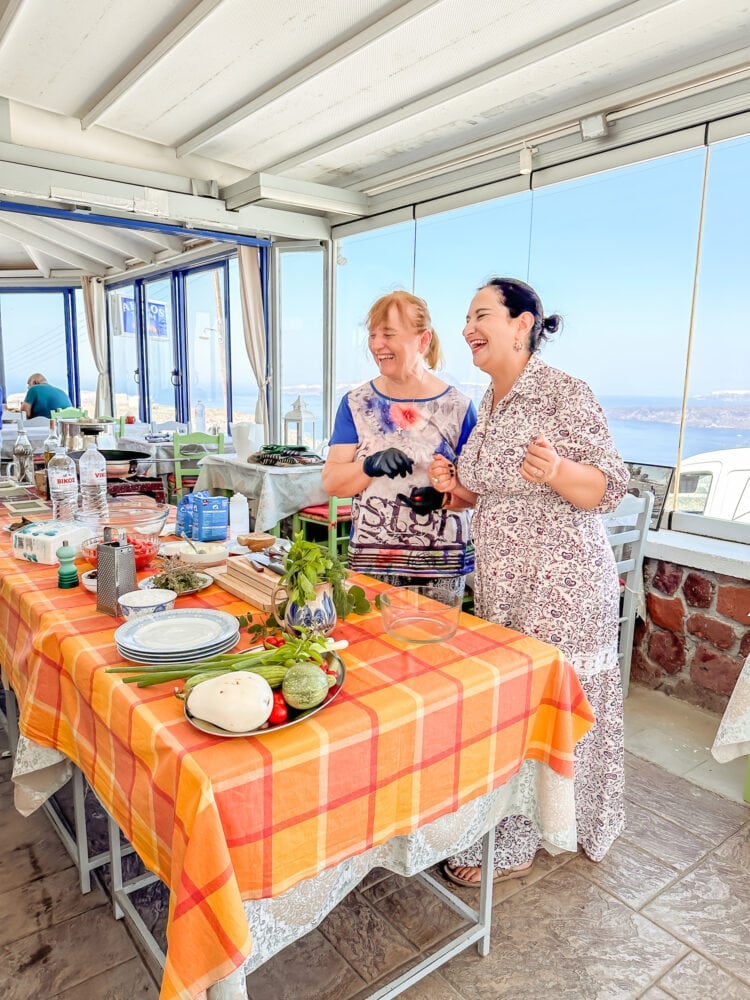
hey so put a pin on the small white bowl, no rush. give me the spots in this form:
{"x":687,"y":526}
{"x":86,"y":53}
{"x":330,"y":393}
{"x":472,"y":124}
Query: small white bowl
{"x":137,"y":603}
{"x":208,"y":554}
{"x":89,"y":580}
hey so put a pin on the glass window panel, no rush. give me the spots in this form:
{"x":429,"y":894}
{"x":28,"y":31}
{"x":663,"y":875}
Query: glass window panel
{"x":455,"y":253}
{"x":33,"y":331}
{"x":207,"y":360}
{"x":368,"y":266}
{"x":244,"y":386}
{"x":124,"y":350}
{"x":694,"y":489}
{"x":614,"y":254}
{"x":718,"y":410}
{"x":160,"y":349}
{"x":301,"y":335}
{"x":87,"y":373}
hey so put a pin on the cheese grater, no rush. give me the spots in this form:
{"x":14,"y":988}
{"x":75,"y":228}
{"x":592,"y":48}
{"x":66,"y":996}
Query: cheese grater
{"x":115,"y":570}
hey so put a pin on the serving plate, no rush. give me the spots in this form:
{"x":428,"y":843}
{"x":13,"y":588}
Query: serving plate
{"x":205,"y":581}
{"x":153,"y":659}
{"x":188,"y":630}
{"x":295,"y":715}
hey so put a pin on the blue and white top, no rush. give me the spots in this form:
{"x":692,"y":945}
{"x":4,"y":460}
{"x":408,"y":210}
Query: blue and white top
{"x":388,"y":537}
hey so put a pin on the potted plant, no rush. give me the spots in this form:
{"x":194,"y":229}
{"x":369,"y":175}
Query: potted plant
{"x":313,"y":583}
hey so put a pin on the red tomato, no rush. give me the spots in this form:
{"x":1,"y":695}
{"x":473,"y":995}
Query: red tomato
{"x":279,"y":712}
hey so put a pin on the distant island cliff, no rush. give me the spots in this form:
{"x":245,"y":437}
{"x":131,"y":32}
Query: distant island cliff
{"x":704,"y":415}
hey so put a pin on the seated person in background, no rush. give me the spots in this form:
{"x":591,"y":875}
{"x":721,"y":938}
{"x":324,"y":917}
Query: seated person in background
{"x":42,"y":397}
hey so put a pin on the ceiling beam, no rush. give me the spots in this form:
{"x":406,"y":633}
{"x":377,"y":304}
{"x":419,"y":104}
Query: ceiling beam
{"x":298,"y":194}
{"x":187,"y":25}
{"x":493,"y":74}
{"x":43,"y":264}
{"x":37,"y":185}
{"x":7,"y":18}
{"x":65,"y":238}
{"x":53,"y":249}
{"x":498,"y":142}
{"x":131,"y":245}
{"x":377,"y":28}
{"x":162,"y":241}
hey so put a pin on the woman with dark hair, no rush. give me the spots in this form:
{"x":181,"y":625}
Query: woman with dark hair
{"x":539,"y":469}
{"x":385,"y":434}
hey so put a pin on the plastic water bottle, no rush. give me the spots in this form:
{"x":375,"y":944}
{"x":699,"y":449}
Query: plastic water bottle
{"x":93,"y":468}
{"x":239,"y":516}
{"x":200,"y":417}
{"x":63,"y":485}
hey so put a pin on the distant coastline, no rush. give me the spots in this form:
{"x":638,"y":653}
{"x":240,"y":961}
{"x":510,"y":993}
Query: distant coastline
{"x":705,"y":416}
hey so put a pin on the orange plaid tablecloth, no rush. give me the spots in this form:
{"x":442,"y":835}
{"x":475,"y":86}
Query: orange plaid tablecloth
{"x":415,"y":733}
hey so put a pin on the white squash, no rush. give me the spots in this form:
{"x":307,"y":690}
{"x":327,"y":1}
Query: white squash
{"x":237,"y":701}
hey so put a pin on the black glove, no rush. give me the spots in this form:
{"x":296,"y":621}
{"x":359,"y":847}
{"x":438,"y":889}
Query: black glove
{"x":391,"y":462}
{"x":423,"y":499}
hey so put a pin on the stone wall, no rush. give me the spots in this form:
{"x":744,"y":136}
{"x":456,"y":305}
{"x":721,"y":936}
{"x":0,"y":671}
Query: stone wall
{"x":696,"y":635}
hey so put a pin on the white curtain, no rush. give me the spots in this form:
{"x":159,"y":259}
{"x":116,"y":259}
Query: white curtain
{"x":96,"y":322}
{"x":254,"y":328}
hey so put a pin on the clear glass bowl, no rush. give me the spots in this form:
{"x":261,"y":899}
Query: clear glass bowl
{"x":411,"y":614}
{"x":140,"y":516}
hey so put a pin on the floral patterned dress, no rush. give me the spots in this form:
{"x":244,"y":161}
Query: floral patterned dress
{"x":545,"y":568}
{"x":389,"y":539}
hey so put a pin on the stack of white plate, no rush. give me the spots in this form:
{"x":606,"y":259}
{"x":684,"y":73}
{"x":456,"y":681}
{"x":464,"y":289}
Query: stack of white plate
{"x":183,"y":636}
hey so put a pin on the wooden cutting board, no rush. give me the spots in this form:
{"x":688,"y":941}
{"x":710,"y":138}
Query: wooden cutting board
{"x":240,"y":588}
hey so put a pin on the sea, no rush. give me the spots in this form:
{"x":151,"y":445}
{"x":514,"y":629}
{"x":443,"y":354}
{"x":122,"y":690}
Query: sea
{"x":644,"y":428}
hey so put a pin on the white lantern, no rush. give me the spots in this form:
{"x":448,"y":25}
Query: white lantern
{"x":296,"y":421}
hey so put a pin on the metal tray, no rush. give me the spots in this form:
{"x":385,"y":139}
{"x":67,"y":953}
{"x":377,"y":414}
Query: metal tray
{"x":334,"y":660}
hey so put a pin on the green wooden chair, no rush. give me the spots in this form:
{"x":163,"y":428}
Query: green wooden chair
{"x":69,"y":413}
{"x":336,"y":519}
{"x":188,"y":450}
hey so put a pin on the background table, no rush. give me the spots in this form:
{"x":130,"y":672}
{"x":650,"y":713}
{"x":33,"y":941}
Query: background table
{"x":161,"y":452}
{"x":733,"y":737}
{"x":416,"y":736}
{"x":279,"y":491}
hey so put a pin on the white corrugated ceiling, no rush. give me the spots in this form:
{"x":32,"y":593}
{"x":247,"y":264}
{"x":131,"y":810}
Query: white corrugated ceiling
{"x":198,"y":98}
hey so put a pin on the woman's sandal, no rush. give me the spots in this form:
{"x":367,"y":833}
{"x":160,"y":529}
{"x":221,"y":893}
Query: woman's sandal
{"x":499,"y":875}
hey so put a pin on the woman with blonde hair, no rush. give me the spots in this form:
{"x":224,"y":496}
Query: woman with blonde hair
{"x":384,"y":438}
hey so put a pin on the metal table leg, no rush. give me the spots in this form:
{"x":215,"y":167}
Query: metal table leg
{"x":478,"y":933}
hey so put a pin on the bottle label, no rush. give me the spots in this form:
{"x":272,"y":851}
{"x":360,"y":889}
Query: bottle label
{"x":63,"y":479}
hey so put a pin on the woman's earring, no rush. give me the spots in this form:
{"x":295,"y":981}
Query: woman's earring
{"x":517,"y":345}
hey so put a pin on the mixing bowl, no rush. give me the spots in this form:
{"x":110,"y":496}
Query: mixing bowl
{"x":141,"y":518}
{"x":411,"y":614}
{"x":139,"y":514}
{"x":145,"y":548}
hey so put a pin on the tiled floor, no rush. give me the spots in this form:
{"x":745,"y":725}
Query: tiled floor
{"x":666,"y":914}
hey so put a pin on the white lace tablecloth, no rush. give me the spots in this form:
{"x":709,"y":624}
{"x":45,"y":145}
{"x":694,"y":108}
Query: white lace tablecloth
{"x":38,"y":772}
{"x":733,"y":738}
{"x":278,"y":490}
{"x":536,"y":791}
